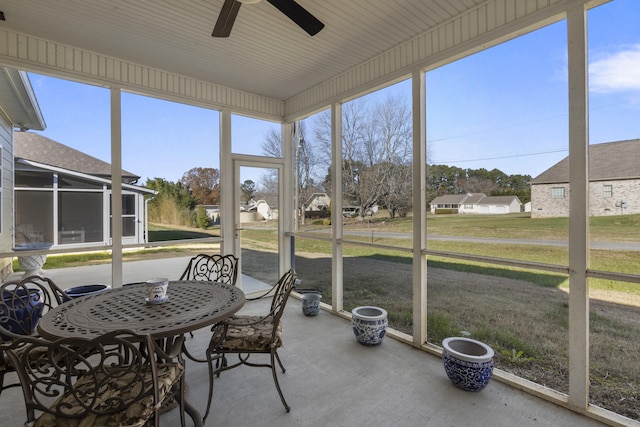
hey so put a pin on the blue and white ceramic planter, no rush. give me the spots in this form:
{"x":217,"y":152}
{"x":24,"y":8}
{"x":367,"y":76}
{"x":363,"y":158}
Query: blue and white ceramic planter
{"x":19,"y":312}
{"x":84,"y":290}
{"x":369,"y":324}
{"x":468,"y":363}
{"x":311,"y":303}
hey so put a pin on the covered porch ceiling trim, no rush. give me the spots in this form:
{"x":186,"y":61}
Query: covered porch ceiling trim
{"x":486,"y":25}
{"x":34,"y":54}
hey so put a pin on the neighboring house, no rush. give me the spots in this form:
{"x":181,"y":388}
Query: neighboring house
{"x":614,"y":182}
{"x":476,"y":203}
{"x":72,"y":193}
{"x":18,"y":109}
{"x":317,"y":202}
{"x":259,"y":210}
{"x":498,"y":205}
{"x":213,"y":212}
{"x":449,"y":202}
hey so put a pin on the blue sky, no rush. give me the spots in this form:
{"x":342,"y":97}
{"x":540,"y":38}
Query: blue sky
{"x":507,"y":107}
{"x":503,"y":108}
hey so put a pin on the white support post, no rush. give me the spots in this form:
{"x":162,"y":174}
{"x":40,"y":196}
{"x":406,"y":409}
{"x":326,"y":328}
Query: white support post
{"x":116,"y":188}
{"x":336,"y":208}
{"x":286,"y":184}
{"x":418,"y":99}
{"x":227,"y":181}
{"x":578,"y":208}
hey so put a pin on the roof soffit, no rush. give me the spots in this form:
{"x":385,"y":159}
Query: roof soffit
{"x":18,"y":100}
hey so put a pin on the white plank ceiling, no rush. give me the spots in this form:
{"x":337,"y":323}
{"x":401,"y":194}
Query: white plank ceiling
{"x":266,"y":54}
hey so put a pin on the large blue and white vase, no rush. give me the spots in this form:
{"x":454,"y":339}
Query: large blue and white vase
{"x":369,"y":324}
{"x":20,"y":311}
{"x":467,"y":362}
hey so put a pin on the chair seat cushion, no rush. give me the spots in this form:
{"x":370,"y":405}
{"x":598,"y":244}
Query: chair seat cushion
{"x":34,"y":355}
{"x":135,"y":415}
{"x":251,"y":333}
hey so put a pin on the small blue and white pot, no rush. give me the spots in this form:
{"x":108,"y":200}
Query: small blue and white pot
{"x":311,"y":303}
{"x":369,"y":324}
{"x":468,"y":363}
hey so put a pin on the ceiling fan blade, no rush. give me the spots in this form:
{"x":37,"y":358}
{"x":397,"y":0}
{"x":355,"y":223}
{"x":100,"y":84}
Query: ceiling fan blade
{"x":299,"y":15}
{"x":226,"y":18}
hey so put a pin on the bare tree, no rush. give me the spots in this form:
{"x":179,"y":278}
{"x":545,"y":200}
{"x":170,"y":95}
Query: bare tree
{"x":272,"y":144}
{"x":375,"y":142}
{"x":307,"y":160}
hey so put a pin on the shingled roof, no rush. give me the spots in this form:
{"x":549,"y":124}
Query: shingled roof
{"x":457,"y":199}
{"x":608,"y":161}
{"x":498,"y":200}
{"x":40,"y":149}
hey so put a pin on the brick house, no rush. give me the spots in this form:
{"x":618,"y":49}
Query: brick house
{"x":614,"y":182}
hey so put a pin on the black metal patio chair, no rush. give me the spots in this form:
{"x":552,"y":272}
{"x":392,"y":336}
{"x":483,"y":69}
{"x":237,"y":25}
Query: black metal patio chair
{"x":246,"y":335}
{"x":119,"y":378}
{"x":216,"y":268}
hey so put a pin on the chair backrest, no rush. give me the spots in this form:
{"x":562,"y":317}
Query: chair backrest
{"x":24,"y":302}
{"x":218,"y":268}
{"x":87,"y":377}
{"x":282,"y":290}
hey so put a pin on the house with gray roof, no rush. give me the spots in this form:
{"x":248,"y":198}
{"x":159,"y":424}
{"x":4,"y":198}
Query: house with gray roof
{"x":614,"y":182}
{"x":36,"y":148}
{"x":317,"y":202}
{"x":475,"y":203}
{"x":63,"y":196}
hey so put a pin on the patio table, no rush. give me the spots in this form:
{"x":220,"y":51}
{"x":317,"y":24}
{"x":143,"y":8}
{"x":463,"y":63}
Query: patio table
{"x":191,"y":305}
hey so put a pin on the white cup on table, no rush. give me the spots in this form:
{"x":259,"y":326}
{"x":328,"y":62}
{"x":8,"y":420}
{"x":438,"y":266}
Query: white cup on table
{"x":157,"y":289}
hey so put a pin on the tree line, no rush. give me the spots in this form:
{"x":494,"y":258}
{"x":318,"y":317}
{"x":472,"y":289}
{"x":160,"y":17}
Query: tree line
{"x":376,"y":168}
{"x":175,"y":202}
{"x":443,"y":179}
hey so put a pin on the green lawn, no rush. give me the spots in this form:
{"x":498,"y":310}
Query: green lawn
{"x":614,"y":228}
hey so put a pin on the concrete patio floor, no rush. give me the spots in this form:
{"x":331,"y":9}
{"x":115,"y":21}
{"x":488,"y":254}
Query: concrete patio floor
{"x":331,"y":380}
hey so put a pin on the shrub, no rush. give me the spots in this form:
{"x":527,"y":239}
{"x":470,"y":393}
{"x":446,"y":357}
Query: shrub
{"x":202,"y":219}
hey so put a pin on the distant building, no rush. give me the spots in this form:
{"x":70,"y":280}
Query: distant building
{"x":213,"y":213}
{"x":475,"y":203}
{"x":259,"y":210}
{"x":614,"y":182}
{"x":317,"y":202}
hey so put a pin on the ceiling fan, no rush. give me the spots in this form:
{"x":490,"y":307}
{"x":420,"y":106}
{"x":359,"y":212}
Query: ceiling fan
{"x":293,"y":10}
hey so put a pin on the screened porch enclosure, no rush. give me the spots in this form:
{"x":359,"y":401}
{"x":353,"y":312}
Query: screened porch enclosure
{"x":357,"y":265}
{"x":60,"y":210}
